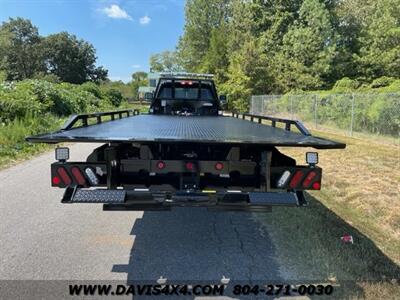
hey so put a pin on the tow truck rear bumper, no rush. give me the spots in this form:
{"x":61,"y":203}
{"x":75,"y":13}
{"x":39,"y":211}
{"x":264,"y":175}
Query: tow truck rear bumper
{"x":126,"y":200}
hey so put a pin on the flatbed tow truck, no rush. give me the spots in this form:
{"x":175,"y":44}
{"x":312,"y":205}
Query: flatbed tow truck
{"x":185,"y":152}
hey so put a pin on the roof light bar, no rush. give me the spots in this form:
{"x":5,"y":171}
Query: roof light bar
{"x":186,"y":75}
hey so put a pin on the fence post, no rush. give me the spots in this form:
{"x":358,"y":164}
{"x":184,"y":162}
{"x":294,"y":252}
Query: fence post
{"x":291,"y":106}
{"x":352,"y":114}
{"x":315,"y":111}
{"x":263,"y":105}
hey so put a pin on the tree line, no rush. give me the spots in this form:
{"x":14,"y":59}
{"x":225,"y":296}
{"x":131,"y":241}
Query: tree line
{"x":277,"y":46}
{"x":24,"y":54}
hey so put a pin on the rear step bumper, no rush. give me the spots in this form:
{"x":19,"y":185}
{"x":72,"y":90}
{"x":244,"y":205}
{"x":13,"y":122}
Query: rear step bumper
{"x":160,"y":200}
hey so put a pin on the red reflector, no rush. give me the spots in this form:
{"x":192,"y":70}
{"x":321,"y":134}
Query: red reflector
{"x":309,"y":178}
{"x":296,"y":179}
{"x":64,"y":175}
{"x":219,"y":166}
{"x":316,"y":186}
{"x":56,"y":180}
{"x":190,"y":166}
{"x":78,"y":176}
{"x":161,"y":165}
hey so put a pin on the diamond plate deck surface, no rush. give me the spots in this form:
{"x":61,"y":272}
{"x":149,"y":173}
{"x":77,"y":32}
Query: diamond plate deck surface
{"x":207,"y":129}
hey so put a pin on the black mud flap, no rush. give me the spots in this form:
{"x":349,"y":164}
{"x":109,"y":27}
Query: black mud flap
{"x":273,"y":199}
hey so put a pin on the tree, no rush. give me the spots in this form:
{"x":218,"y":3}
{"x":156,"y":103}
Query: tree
{"x":379,"y":40}
{"x":20,"y":49}
{"x":138,"y":79}
{"x":202,"y":16}
{"x":164,"y":61}
{"x":72,"y":60}
{"x":247,"y":75}
{"x":348,"y":18}
{"x":308,"y":50}
{"x":139,"y":76}
{"x":98,"y":75}
{"x":237,"y":87}
{"x":216,"y":60}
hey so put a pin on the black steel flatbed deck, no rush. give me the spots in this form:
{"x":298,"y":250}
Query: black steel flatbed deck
{"x":185,"y":129}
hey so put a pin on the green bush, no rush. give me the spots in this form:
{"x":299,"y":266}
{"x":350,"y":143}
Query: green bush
{"x":22,"y":98}
{"x":37,"y":97}
{"x":93,"y":88}
{"x":345,"y":84}
{"x":35,"y":106}
{"x":47,"y":77}
{"x":382,"y":82}
{"x":114,"y":96}
{"x":13,"y":134}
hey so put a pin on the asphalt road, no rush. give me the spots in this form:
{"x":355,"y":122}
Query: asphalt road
{"x":42,"y":239}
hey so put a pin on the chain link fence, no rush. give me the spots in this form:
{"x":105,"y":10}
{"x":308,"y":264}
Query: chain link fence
{"x":371,"y":114}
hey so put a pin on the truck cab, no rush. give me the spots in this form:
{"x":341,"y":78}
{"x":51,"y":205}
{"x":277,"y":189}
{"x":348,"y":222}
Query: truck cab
{"x":185,"y":94}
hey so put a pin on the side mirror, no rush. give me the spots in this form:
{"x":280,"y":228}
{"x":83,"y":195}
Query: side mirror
{"x":222,"y":100}
{"x":148,"y":96}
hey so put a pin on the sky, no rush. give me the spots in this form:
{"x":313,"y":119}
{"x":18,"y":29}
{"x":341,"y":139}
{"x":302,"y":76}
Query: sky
{"x":124,"y":33}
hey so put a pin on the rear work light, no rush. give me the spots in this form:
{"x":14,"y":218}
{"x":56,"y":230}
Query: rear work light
{"x":78,"y":176}
{"x":62,"y":154}
{"x":312,"y":158}
{"x":64,"y":176}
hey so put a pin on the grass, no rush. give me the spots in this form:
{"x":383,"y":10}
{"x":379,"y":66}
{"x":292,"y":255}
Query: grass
{"x":359,"y":196}
{"x":14,"y":148}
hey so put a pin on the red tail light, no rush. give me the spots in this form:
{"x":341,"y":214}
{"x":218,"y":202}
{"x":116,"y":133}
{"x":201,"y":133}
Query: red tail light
{"x":296,"y":179}
{"x":307,"y":181}
{"x":78,"y":176}
{"x":190,"y":166}
{"x":56,"y":180}
{"x":160,"y":165}
{"x":316,"y":186}
{"x":219,"y":166}
{"x":64,"y":175}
